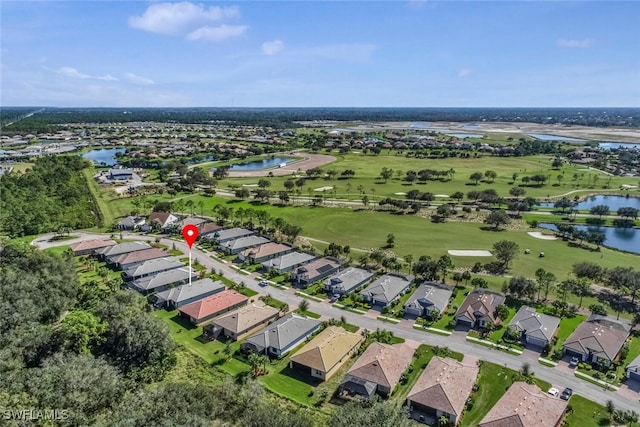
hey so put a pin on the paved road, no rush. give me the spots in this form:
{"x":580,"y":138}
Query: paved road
{"x":558,"y":378}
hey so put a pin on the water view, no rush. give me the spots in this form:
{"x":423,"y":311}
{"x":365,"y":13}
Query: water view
{"x":610,"y":145}
{"x":625,"y":239}
{"x":614,"y":202}
{"x":258,"y":165}
{"x":546,"y":137}
{"x":103,"y":156}
{"x":464,"y":135}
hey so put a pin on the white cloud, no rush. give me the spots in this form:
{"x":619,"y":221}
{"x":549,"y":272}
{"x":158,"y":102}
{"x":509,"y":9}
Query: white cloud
{"x":575,"y":43}
{"x":417,"y":4}
{"x":273,"y":47}
{"x":464,"y":72}
{"x":216,"y":34}
{"x":108,"y":77}
{"x":139,"y":80}
{"x":72,"y":72}
{"x":180,"y":18}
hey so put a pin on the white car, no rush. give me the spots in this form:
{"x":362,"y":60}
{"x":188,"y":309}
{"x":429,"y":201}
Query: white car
{"x":554,"y":392}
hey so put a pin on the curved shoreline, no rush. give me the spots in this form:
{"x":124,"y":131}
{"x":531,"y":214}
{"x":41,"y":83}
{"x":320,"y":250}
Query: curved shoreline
{"x":306,"y":162}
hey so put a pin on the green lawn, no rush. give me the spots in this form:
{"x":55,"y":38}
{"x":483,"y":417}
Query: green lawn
{"x":566,"y":328}
{"x":444,"y":320}
{"x":586,"y":413}
{"x":308,"y":313}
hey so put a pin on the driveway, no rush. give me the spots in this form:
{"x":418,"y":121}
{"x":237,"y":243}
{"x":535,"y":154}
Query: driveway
{"x":559,"y":377}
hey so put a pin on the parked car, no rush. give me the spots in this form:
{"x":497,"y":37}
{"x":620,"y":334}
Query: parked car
{"x":574,"y":362}
{"x":554,"y":392}
{"x":566,"y":393}
{"x":263,"y":283}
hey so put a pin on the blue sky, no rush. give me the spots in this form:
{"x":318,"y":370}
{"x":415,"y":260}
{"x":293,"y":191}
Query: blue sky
{"x":313,"y":53}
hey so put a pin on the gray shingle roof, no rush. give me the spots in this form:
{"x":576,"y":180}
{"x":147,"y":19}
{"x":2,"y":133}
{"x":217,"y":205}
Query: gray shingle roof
{"x":430,"y":295}
{"x":123,"y":248}
{"x":387,"y":287}
{"x":289,"y":260}
{"x":348,"y":279}
{"x":284,"y":332}
{"x":164,"y":278}
{"x":152,"y":266}
{"x":185,"y":292}
{"x":244,"y":242}
{"x":534,"y":324}
{"x":230,"y":234}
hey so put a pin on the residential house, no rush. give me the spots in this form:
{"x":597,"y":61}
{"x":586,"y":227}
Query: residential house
{"x":151,"y":267}
{"x":633,"y":370}
{"x":265,"y":252}
{"x":535,"y":328}
{"x":386,"y":289}
{"x":377,"y":370}
{"x":126,"y":261}
{"x":208,"y":229}
{"x":131,"y":223}
{"x":478,"y":309}
{"x":429,"y":299}
{"x":347,"y":280}
{"x":225,"y":235}
{"x":162,"y":220}
{"x":323,"y":356}
{"x":599,"y":339}
{"x":120,"y":174}
{"x":242,"y":322}
{"x":280,"y":337}
{"x":442,"y":390}
{"x":192,"y":220}
{"x":162,"y":281}
{"x":525,"y":405}
{"x":315,"y":270}
{"x":87,"y":247}
{"x":205,"y":309}
{"x":287,"y":262}
{"x":187,"y":293}
{"x":238,"y":245}
{"x":120,"y":249}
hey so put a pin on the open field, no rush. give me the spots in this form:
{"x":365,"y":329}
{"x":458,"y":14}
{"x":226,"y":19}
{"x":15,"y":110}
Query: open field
{"x":367,"y":170}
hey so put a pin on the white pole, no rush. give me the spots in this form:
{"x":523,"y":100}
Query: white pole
{"x":189,"y":266}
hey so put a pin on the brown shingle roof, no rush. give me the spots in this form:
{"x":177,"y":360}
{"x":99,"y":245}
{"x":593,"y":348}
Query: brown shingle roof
{"x":266,"y":250}
{"x":140,"y":256}
{"x":327,"y":349}
{"x":91,"y":244}
{"x":210,"y":227}
{"x":480,"y":301}
{"x":246,"y":317}
{"x":525,"y":405}
{"x":383,"y":363}
{"x":213,"y":304}
{"x":444,"y":385}
{"x":600,"y":337}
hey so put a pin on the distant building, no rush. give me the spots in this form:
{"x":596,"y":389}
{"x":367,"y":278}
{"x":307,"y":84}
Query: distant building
{"x":120,"y":174}
{"x":86,"y":247}
{"x":130,"y":223}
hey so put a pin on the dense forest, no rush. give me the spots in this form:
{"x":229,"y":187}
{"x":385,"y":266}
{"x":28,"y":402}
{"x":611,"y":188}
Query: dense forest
{"x":46,"y":119}
{"x":98,"y":356}
{"x":51,"y":196}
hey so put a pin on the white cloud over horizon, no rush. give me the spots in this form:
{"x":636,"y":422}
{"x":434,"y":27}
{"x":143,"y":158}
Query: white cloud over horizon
{"x":273,"y":47}
{"x":139,"y":80}
{"x":576,"y":43}
{"x":72,"y":72}
{"x":193,"y":21}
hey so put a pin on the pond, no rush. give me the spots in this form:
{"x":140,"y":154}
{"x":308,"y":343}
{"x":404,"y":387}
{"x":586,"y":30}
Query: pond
{"x":258,"y":165}
{"x":464,"y":135}
{"x":626,"y":239}
{"x":545,"y":137}
{"x":610,"y":145}
{"x":103,"y":156}
{"x":614,"y":202}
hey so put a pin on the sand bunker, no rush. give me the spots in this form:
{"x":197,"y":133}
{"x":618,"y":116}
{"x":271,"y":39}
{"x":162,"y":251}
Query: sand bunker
{"x":457,"y":252}
{"x":249,"y":185}
{"x":323,"y":188}
{"x":441,"y":195}
{"x":539,"y":235}
{"x":400,"y":194}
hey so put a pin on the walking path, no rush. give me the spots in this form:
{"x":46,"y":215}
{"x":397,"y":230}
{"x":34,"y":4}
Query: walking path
{"x":558,"y":377}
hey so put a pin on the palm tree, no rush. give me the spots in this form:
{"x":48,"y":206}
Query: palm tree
{"x":443,"y":421}
{"x":201,"y":206}
{"x":610,"y":408}
{"x":304,"y":305}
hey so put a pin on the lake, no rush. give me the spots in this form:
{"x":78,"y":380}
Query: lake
{"x":546,"y":137}
{"x":464,"y":135}
{"x":626,"y":239}
{"x":258,"y":165}
{"x":103,"y":156}
{"x":610,"y":145}
{"x":614,"y":202}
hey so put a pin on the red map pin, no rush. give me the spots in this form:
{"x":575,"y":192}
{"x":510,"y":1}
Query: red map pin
{"x":190,"y":234}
